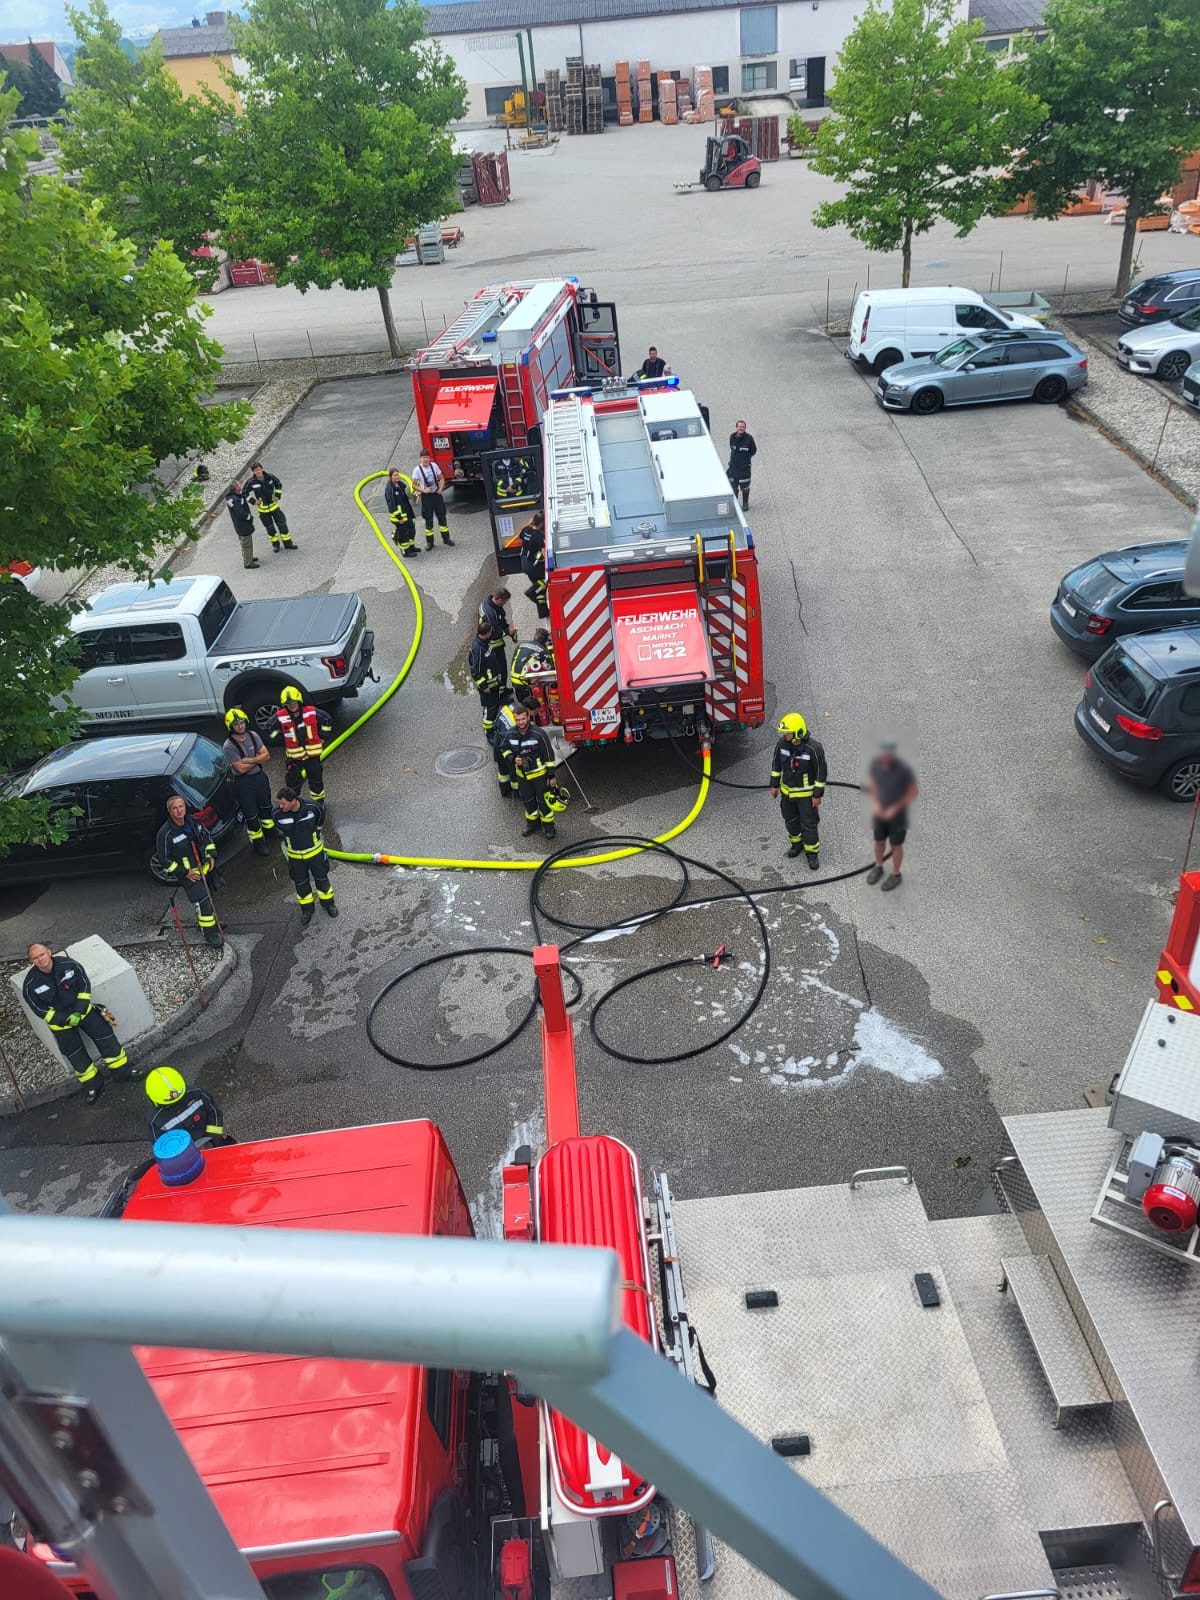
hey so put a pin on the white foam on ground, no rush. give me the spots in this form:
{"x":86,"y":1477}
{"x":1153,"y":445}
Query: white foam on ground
{"x":881,"y":1044}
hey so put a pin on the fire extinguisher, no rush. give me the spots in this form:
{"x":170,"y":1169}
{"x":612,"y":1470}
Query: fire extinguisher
{"x":553,"y":702}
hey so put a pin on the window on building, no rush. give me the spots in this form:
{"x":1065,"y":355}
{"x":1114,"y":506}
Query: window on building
{"x":494,"y":99}
{"x":720,"y":80}
{"x":760,"y":31}
{"x":997,"y":46}
{"x":758,"y":75}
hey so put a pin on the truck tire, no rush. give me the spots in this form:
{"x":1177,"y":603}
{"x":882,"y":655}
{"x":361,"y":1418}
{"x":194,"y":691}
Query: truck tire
{"x":886,"y":358}
{"x":258,"y":700}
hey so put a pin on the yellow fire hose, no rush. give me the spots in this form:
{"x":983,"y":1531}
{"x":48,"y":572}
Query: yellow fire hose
{"x":448,"y":862}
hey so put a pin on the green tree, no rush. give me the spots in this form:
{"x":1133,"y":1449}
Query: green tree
{"x":1120,"y":81}
{"x":922,"y":112}
{"x":150,"y":154}
{"x":45,"y":98}
{"x":103,"y":366}
{"x":346,"y":146}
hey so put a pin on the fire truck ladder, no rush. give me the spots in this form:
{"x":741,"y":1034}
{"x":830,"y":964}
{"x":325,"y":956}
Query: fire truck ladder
{"x":95,"y":1467}
{"x":514,"y":404}
{"x":469,"y":322}
{"x":716,"y":570}
{"x":575,"y":495}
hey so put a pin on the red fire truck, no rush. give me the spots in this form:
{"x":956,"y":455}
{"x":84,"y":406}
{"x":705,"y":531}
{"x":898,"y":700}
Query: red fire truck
{"x":484,"y":383}
{"x":652,"y":575}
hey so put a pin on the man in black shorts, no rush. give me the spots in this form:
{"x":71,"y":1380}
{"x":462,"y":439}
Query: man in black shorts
{"x":892,"y":785}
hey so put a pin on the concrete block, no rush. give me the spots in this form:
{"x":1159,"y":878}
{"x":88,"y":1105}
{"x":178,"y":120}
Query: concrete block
{"x":114,"y":984}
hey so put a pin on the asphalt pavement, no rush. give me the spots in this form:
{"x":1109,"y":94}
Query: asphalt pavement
{"x":907,"y":566}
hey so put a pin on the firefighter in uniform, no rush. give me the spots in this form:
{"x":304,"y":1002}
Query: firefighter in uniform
{"x":187,"y":854}
{"x":487,"y":674}
{"x":57,"y":989}
{"x":177,"y":1106}
{"x":299,"y":823}
{"x":429,"y":483}
{"x":531,"y":756}
{"x":302,"y":729}
{"x":508,"y":477}
{"x":265,"y":489}
{"x":247,"y":756}
{"x":506,"y":721}
{"x":533,"y":560}
{"x":400,"y":513}
{"x":798,"y":775}
{"x":493,"y":613}
{"x":742,"y":451}
{"x":535,"y":655}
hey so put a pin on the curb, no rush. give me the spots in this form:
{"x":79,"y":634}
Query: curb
{"x":143,"y":1043}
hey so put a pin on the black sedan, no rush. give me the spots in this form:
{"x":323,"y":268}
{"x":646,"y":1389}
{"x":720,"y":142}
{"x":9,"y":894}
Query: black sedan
{"x":1167,"y":294}
{"x":117,"y":789}
{"x":1127,"y":591}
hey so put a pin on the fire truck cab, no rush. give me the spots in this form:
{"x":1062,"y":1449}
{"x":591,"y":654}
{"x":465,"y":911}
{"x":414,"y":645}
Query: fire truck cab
{"x":483,"y":384}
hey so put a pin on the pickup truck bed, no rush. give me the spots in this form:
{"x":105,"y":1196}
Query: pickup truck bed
{"x":262,"y":625}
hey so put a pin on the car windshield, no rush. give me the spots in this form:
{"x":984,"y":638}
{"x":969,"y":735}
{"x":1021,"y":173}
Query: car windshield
{"x":218,"y":609}
{"x":1094,"y":584}
{"x":950,"y":353}
{"x":1126,"y":681}
{"x":1189,"y":319}
{"x":202,"y":772}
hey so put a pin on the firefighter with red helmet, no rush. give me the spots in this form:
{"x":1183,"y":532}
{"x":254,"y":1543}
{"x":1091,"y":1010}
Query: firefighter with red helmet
{"x":798,"y":777}
{"x":303,"y":730}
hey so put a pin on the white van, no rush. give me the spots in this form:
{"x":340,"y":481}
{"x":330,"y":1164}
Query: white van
{"x":891,"y":325}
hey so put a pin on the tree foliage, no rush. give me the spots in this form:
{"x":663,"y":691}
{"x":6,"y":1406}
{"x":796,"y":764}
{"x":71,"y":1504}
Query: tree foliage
{"x":346,"y":146}
{"x":36,"y":83}
{"x":1120,"y":81}
{"x":151,"y":155}
{"x":922,"y":112}
{"x":103,"y":365}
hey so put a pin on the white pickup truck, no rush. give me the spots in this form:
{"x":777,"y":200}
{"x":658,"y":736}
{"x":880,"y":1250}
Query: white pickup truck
{"x":185,"y":648}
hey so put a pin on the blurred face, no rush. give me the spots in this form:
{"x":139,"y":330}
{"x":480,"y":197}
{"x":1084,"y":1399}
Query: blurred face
{"x":289,"y":805}
{"x":41,"y":957}
{"x":425,"y":457}
{"x":653,"y":349}
{"x":176,"y":809}
{"x":739,"y":427}
{"x":239,"y":727}
{"x":394,"y":475}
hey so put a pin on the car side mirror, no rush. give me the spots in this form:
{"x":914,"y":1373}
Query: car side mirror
{"x":970,"y":367}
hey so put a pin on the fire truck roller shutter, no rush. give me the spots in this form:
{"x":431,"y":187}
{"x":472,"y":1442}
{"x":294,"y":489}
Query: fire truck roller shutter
{"x":660,"y":637}
{"x":463,"y":405}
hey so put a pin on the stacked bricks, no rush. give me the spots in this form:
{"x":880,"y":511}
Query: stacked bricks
{"x":624,"y":95}
{"x":573,"y":99}
{"x":593,"y":94}
{"x":702,"y":94}
{"x":554,"y":100}
{"x":645,"y":93}
{"x":668,"y":109}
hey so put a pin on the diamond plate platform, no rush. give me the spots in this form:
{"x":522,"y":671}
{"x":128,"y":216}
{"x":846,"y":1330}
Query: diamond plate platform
{"x":1139,"y":1311}
{"x":903,"y":1437}
{"x":1057,"y":1338}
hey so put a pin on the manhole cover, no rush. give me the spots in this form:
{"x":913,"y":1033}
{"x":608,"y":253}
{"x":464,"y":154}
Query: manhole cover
{"x":457,"y":763}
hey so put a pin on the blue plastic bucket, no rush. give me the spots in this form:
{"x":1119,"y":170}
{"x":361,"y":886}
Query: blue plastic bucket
{"x":178,"y":1157}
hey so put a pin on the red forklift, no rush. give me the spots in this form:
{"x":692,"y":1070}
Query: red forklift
{"x":729,"y":163}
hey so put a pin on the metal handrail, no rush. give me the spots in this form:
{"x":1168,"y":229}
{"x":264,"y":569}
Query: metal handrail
{"x":880,"y":1172}
{"x":1160,"y":1570}
{"x":1027,"y":1594}
{"x":1003,"y":1161}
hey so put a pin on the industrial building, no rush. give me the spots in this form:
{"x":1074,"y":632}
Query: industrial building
{"x":194,"y":56}
{"x":788,"y":48}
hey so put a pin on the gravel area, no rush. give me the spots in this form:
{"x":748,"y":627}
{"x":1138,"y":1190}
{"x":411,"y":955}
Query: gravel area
{"x":165,"y":976}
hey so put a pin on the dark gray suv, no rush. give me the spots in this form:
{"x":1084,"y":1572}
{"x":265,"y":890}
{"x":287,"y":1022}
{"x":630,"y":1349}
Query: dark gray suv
{"x":1140,"y":710}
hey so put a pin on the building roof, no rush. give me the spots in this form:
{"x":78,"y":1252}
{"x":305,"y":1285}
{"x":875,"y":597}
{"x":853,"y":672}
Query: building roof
{"x":1007,"y":16}
{"x":494,"y":16}
{"x":204,"y":41}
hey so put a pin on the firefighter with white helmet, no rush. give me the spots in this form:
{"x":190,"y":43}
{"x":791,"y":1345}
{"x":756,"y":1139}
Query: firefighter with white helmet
{"x":178,"y":1106}
{"x":303,"y":730}
{"x":798,"y":775}
{"x":247,"y":756}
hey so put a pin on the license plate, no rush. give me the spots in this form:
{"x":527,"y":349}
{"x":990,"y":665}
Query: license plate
{"x":1105,"y":727}
{"x":1069,"y":608}
{"x":1128,"y":306}
{"x":605,"y":717}
{"x":1122,"y":357}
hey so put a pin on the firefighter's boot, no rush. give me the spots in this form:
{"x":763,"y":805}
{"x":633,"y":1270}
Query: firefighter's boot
{"x":796,"y":850}
{"x":549,"y":830}
{"x":446,"y":539}
{"x":212,"y":936}
{"x":306,"y":914}
{"x":530,"y":829}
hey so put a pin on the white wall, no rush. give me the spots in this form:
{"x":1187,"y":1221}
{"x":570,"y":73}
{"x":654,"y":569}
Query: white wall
{"x":671,"y":42}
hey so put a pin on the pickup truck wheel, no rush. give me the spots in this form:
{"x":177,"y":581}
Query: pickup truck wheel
{"x":158,"y":872}
{"x":259,"y":705}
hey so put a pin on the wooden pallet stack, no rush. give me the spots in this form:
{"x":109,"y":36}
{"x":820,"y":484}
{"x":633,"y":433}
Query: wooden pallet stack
{"x":645,"y":93}
{"x":624,"y":95}
{"x":555,"y":120}
{"x":593,"y":99}
{"x":668,"y":109}
{"x":491,"y":181}
{"x":573,"y":98}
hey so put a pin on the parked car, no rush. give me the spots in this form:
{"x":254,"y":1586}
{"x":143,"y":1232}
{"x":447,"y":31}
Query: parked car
{"x":1134,"y":590}
{"x":1163,"y":349}
{"x":1190,"y":387}
{"x":1140,"y":710}
{"x":980,"y":367}
{"x":1166,"y":294}
{"x":119,"y":785}
{"x":185,"y":648}
{"x":892,"y":325}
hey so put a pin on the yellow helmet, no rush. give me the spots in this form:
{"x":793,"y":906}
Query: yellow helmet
{"x":164,"y":1085}
{"x":793,"y":725}
{"x":289,"y":692}
{"x":235,"y":714}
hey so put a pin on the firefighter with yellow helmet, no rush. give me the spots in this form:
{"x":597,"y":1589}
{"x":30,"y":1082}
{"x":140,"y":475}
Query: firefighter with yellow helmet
{"x":303,"y":730}
{"x":178,"y":1106}
{"x":248,"y":755}
{"x":798,"y":776}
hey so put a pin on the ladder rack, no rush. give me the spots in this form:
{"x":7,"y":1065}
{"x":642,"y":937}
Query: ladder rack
{"x":470,"y":322}
{"x":574,"y":481}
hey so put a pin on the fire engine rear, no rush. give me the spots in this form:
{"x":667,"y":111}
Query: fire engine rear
{"x":652,"y":576}
{"x":483,"y":384}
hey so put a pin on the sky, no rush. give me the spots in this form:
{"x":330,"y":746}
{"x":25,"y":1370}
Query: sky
{"x":47,"y":19}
